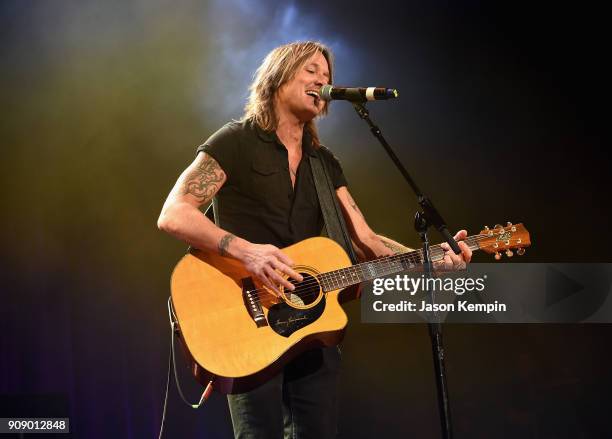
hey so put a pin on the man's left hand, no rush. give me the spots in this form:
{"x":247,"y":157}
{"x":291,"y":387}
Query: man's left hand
{"x":452,"y":261}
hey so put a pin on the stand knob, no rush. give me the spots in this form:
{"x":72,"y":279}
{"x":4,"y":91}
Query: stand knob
{"x":497,"y":256}
{"x":509,"y":253}
{"x":520,"y":251}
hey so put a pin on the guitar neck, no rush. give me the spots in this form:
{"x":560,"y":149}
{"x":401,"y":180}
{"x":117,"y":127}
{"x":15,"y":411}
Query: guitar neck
{"x":365,"y":271}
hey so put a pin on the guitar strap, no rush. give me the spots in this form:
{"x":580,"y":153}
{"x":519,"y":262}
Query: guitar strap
{"x":332,"y":214}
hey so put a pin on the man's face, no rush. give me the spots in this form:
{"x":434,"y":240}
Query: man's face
{"x":300,"y":95}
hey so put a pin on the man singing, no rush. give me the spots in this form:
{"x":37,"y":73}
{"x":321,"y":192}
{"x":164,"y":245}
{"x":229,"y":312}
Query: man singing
{"x":259,"y":172}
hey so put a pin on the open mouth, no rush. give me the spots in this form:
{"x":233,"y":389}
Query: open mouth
{"x":315,"y":95}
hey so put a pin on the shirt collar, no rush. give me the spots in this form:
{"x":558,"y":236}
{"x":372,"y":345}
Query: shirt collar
{"x":266,"y":136}
{"x":270,"y":137}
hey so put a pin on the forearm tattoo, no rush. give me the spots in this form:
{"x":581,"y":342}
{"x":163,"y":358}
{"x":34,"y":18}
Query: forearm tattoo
{"x":205,"y":180}
{"x":354,"y":205}
{"x":224,"y":243}
{"x":394,"y":247}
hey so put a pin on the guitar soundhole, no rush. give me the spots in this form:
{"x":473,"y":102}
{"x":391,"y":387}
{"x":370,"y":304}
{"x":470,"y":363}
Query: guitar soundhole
{"x":300,"y":308}
{"x":306,"y":292}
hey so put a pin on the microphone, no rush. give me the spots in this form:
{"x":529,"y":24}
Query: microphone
{"x":356,"y":94}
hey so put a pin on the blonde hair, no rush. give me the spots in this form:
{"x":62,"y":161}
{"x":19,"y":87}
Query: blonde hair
{"x":279,"y":67}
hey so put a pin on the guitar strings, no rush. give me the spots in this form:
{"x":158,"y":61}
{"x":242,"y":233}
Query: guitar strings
{"x":390,"y":262}
{"x":387,"y":263}
{"x":333,"y":277}
{"x":307,"y":291}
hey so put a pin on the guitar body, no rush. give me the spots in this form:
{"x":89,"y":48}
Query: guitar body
{"x":226,"y":343}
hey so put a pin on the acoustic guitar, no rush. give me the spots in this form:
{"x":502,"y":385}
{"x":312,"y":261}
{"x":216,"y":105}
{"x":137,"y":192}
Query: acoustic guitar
{"x":237,"y":334}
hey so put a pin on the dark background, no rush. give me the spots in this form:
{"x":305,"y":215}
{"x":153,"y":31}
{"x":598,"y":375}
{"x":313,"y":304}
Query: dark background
{"x":500,"y":118}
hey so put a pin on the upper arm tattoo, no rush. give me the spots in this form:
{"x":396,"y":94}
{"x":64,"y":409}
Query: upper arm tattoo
{"x":204,"y":181}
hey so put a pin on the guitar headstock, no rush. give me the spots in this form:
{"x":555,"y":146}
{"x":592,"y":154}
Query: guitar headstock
{"x":499,"y":238}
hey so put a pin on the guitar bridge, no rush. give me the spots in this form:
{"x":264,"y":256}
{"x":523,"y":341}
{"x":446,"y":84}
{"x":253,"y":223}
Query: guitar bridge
{"x":252,"y":303}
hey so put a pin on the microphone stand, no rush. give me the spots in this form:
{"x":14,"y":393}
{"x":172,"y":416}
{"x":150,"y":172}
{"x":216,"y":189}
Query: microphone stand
{"x":427,"y":217}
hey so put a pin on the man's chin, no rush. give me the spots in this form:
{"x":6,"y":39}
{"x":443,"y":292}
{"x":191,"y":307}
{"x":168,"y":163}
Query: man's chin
{"x":309,"y":114}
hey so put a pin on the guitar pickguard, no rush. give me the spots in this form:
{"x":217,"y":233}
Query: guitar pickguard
{"x":285,"y":319}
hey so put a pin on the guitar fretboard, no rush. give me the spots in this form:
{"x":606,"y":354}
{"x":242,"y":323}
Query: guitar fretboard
{"x":365,"y":271}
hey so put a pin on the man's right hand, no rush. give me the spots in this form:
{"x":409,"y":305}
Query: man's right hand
{"x":265,"y":261}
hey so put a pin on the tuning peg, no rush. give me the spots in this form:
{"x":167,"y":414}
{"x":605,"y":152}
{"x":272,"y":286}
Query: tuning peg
{"x":509,"y":253}
{"x":508,"y":224}
{"x":497,"y":256}
{"x":520,"y":251}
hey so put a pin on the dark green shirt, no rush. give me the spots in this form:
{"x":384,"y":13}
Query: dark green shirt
{"x":257,"y":202}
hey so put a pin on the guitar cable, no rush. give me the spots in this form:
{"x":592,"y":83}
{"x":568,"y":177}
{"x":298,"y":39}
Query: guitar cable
{"x":172,"y":367}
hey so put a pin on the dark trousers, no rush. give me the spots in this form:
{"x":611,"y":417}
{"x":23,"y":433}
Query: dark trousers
{"x":298,"y":403}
